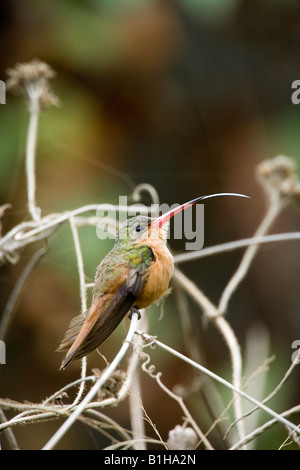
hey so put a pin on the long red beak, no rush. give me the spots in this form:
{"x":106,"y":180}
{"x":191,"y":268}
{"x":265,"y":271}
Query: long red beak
{"x":168,"y":215}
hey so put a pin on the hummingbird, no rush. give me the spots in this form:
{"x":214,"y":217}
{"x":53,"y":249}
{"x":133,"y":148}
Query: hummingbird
{"x":133,"y":275}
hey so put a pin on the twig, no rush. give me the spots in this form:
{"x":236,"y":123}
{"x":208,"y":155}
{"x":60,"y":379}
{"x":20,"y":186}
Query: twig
{"x":129,"y":443}
{"x":256,"y":360}
{"x":110,"y":423}
{"x":272,"y":213}
{"x":235,"y":245}
{"x":80,"y":265}
{"x":135,"y":408}
{"x":34,"y":110}
{"x":174,"y":396}
{"x":236,"y":361}
{"x":226,"y":331}
{"x":277,"y":388}
{"x":219,"y":379}
{"x":135,"y":411}
{"x":67,"y":387}
{"x":83,"y":301}
{"x":249,"y":437}
{"x":9,"y":433}
{"x":136,"y":195}
{"x":29,"y":232}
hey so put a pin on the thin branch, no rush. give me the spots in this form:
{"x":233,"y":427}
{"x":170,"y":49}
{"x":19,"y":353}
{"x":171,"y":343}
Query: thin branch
{"x":34,"y":110}
{"x":236,"y":361}
{"x":135,"y":400}
{"x":127,"y":444}
{"x":239,"y":275}
{"x":249,"y":437}
{"x":80,"y":265}
{"x":219,"y":379}
{"x":157,"y":376}
{"x":136,"y":195}
{"x":60,"y":392}
{"x":83,"y":301}
{"x":235,"y":245}
{"x":286,"y":376}
{"x":29,"y":232}
{"x":8,"y":432}
{"x":227,"y":333}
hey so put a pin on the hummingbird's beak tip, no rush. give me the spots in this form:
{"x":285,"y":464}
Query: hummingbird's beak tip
{"x":160,"y":221}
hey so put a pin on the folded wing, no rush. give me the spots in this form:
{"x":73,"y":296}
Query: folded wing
{"x":88,"y":331}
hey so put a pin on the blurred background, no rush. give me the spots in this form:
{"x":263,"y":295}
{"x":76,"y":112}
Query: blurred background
{"x":187,"y":95}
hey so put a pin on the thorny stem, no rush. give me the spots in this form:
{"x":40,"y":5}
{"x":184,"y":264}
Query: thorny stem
{"x":67,"y":387}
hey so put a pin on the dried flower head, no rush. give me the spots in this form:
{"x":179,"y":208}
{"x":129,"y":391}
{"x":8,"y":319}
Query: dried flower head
{"x":33,"y":80}
{"x":182,"y":438}
{"x":112,"y":386}
{"x":278,"y":176}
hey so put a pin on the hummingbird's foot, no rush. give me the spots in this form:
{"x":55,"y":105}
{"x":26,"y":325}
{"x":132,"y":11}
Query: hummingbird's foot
{"x":134,"y":310}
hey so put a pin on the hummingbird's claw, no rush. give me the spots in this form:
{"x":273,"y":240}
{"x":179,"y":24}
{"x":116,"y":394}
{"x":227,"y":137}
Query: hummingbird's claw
{"x":134,"y":310}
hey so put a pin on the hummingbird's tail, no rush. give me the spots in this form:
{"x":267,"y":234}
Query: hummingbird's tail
{"x":70,"y":338}
{"x":77,"y":338}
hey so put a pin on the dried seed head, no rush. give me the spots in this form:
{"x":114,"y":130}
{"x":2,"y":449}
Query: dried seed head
{"x":182,"y":438}
{"x":32,"y":79}
{"x":277,"y":168}
{"x":278,"y":176}
{"x":112,"y":386}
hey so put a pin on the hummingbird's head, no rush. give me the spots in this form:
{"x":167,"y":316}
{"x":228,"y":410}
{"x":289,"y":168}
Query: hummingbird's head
{"x":140,"y":229}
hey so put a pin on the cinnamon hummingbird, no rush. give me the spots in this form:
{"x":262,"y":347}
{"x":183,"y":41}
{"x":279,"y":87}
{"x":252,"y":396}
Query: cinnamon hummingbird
{"x":134,"y":274}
